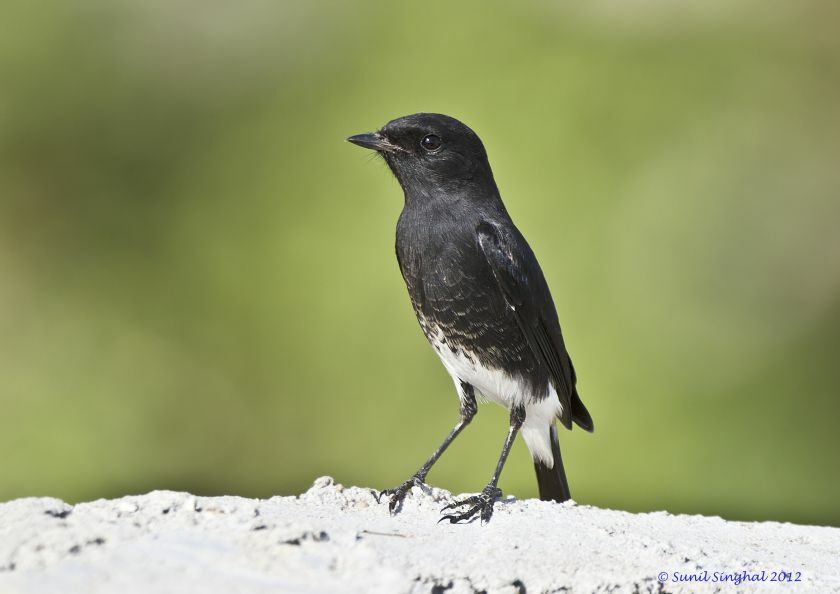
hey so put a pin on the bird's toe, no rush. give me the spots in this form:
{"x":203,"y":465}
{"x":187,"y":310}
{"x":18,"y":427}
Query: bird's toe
{"x":396,"y":495}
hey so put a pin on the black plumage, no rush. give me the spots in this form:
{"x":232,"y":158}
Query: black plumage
{"x":479,"y":295}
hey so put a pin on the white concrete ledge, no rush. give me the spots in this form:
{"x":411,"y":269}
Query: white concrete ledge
{"x":337,"y":539}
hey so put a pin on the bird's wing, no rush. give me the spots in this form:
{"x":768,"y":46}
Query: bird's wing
{"x":521,"y":282}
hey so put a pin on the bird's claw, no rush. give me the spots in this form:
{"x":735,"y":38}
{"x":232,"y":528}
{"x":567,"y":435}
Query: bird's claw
{"x":481,"y":504}
{"x":397,"y":494}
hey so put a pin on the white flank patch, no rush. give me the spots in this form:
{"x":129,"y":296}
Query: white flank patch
{"x":508,"y":391}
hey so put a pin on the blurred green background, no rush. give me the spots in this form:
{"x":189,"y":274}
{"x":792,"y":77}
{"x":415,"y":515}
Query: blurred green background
{"x":198,"y":287}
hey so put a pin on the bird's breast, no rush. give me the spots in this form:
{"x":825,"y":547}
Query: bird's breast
{"x":466,"y":320}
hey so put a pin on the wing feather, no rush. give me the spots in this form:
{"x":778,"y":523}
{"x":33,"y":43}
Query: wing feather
{"x":523,"y":287}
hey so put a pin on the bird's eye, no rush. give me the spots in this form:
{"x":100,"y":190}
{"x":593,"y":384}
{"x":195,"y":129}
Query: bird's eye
{"x":431,"y":142}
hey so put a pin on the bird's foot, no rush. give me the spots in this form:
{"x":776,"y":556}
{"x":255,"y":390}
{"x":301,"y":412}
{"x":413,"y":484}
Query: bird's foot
{"x":481,"y":504}
{"x":397,"y":494}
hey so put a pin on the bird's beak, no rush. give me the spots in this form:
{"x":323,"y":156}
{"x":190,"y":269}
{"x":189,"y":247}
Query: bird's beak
{"x":376,"y":142}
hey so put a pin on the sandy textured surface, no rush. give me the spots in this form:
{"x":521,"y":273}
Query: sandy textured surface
{"x":337,"y":539}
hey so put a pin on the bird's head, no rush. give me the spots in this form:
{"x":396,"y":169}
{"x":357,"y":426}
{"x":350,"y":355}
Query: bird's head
{"x":430,"y":154}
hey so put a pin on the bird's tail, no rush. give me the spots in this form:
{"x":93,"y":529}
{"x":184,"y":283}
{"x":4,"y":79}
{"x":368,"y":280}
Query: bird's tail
{"x":552,"y":481}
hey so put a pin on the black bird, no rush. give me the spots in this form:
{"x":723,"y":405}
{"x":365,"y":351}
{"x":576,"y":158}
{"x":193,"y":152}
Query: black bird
{"x":480,"y":297}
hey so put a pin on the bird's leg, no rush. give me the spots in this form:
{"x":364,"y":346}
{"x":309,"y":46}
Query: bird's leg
{"x":468,"y":411}
{"x":482,"y":503}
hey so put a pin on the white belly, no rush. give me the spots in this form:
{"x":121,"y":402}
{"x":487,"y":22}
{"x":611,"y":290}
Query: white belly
{"x":509,"y":391}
